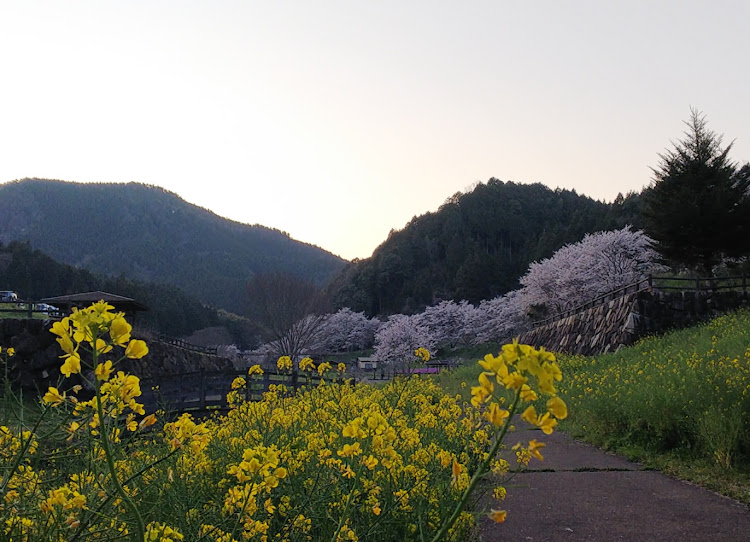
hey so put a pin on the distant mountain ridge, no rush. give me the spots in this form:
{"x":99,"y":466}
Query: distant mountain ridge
{"x":147,"y":233}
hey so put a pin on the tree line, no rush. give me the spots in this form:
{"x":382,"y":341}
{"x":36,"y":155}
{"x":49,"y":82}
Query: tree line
{"x":35,"y":275}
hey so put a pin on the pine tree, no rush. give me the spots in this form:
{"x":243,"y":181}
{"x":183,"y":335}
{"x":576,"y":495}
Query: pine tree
{"x":698,"y":207}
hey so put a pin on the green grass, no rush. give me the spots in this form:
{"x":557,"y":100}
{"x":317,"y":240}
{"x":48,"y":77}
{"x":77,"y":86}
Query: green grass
{"x":11,"y":311}
{"x":679,"y":403}
{"x":467,"y":370}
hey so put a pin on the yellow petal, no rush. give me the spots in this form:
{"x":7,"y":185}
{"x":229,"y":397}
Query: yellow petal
{"x":529,"y":415}
{"x":557,"y":408}
{"x":136,"y":349}
{"x":72,"y":365}
{"x":119,"y":331}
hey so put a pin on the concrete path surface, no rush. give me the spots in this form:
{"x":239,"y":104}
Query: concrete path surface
{"x":581,"y":493}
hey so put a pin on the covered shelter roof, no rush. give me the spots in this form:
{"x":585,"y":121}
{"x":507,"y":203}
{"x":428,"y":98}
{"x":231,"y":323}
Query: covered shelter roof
{"x":120,"y":303}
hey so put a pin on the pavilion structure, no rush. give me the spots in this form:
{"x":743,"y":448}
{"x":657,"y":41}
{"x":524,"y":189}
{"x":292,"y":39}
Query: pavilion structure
{"x":66,"y":302}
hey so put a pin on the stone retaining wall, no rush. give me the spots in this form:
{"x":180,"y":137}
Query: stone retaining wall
{"x":624,"y":320}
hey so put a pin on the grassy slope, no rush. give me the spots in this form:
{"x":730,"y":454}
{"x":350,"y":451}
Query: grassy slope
{"x":679,"y":403}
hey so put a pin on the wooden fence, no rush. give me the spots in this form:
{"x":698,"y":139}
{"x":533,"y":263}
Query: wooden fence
{"x":205,"y":391}
{"x":390,"y":372}
{"x":664,"y":283}
{"x":26,"y":309}
{"x":643,"y":284}
{"x":713,"y":284}
{"x":186,"y":345}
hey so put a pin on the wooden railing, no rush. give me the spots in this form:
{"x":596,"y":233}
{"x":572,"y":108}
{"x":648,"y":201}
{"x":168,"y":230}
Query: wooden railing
{"x":204,"y":391}
{"x":643,"y":284}
{"x":650,"y":282}
{"x":390,"y":372}
{"x":186,"y":345}
{"x":738,"y":282}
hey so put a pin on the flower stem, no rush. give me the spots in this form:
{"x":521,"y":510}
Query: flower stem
{"x":140,"y":529}
{"x":481,"y":470}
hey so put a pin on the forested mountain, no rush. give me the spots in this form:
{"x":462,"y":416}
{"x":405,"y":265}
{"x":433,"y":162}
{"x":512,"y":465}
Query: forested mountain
{"x":476,"y":246}
{"x":147,"y":233}
{"x":34,"y":275}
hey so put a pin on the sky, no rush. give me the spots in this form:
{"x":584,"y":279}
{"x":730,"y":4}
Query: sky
{"x":337,"y":121}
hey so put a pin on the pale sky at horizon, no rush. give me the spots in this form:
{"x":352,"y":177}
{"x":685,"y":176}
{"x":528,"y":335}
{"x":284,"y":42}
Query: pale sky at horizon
{"x":337,"y":121}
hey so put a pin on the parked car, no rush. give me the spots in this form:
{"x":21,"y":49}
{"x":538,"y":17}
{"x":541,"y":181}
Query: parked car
{"x":43,"y":307}
{"x":8,"y":296}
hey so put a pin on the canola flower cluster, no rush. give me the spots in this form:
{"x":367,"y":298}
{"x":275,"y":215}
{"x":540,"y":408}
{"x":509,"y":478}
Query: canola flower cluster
{"x":333,"y":462}
{"x":86,"y":338}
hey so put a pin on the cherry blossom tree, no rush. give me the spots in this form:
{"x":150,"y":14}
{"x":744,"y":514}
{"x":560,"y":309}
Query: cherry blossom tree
{"x":579,"y":272}
{"x":449,"y":323}
{"x":347,"y":330}
{"x":399,"y":337}
{"x":499,"y":319}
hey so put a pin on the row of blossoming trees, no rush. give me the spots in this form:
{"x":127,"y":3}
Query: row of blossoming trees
{"x":575,"y":274}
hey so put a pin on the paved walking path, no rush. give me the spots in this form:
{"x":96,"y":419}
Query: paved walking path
{"x":581,"y":493}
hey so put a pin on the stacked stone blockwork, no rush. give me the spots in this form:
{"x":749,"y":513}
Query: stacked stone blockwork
{"x":625,"y":319}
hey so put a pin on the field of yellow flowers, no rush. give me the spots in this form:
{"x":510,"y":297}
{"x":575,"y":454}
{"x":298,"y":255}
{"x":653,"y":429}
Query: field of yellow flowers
{"x":686,"y":393}
{"x":396,"y":462}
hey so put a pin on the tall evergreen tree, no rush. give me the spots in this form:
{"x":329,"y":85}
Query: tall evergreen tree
{"x":698,"y":207}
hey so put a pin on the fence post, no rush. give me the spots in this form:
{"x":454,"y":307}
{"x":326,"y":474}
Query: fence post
{"x":203,"y":388}
{"x":294,"y":380}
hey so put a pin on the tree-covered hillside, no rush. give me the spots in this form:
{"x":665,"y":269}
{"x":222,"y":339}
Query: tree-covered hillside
{"x":34,"y":275}
{"x":147,"y":233}
{"x":476,"y":246}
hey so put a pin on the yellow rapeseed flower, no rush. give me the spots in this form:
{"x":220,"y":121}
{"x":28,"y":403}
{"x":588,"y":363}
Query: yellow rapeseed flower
{"x":498,"y":516}
{"x":238,"y":383}
{"x":102,"y":347}
{"x":54,"y":397}
{"x":254,"y":370}
{"x":534,"y":447}
{"x":306,"y":364}
{"x":119,"y":330}
{"x":527,"y":394}
{"x":455,"y":472}
{"x":496,"y":415}
{"x":423,"y":354}
{"x":136,"y":349}
{"x":72,"y":365}
{"x":544,"y":421}
{"x":147,"y":421}
{"x":103,"y":370}
{"x":557,"y":408}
